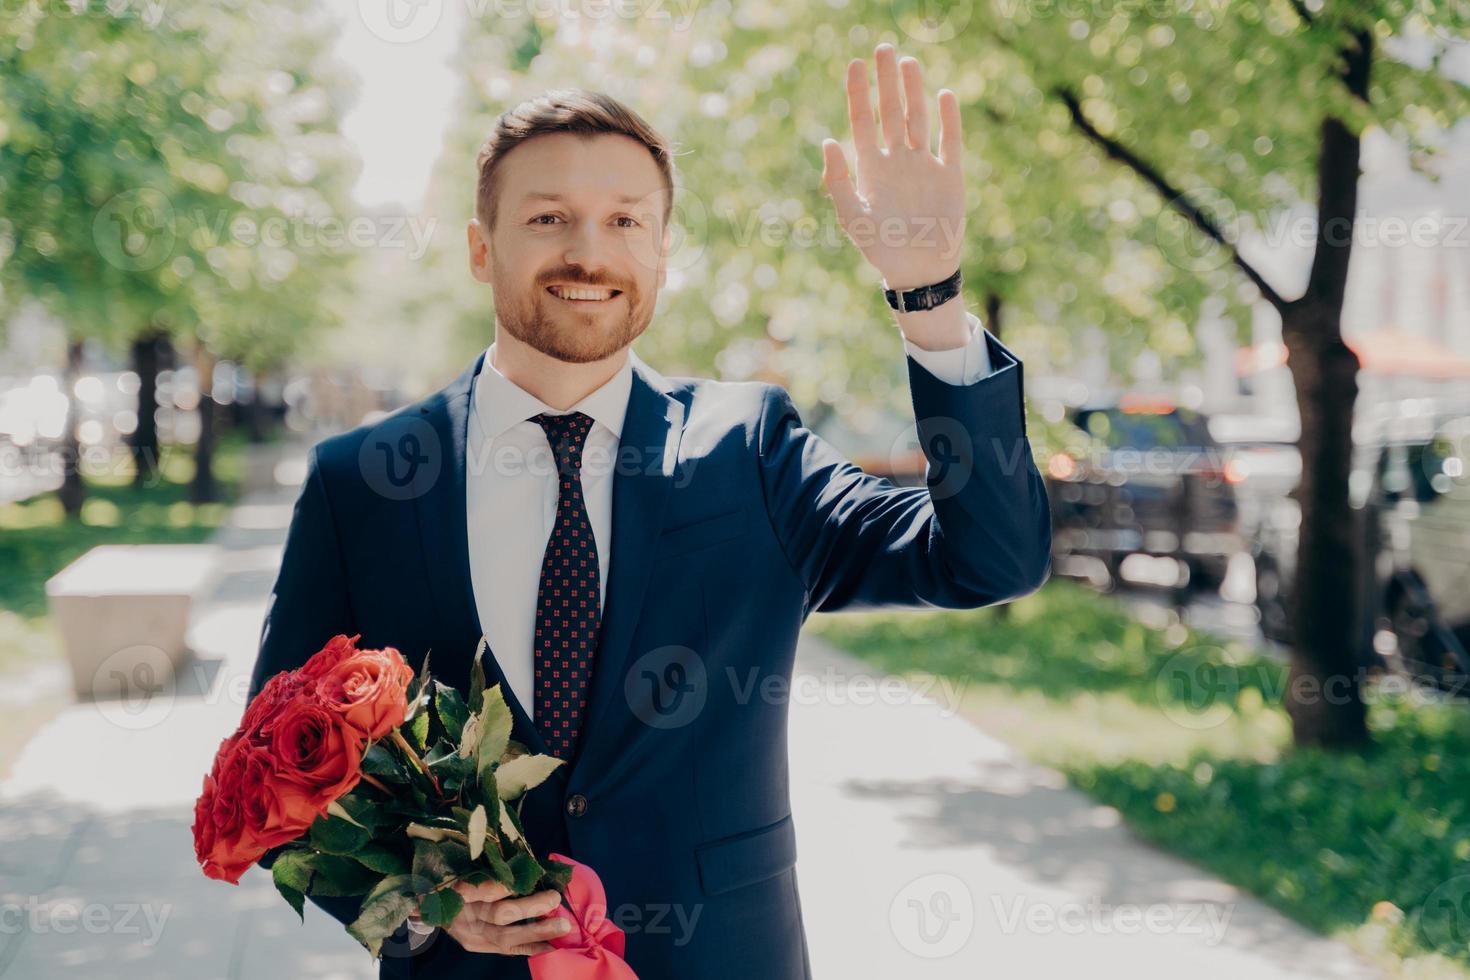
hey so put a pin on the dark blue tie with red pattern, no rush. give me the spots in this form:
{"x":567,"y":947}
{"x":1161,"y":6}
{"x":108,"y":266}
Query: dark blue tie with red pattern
{"x":568,"y":610}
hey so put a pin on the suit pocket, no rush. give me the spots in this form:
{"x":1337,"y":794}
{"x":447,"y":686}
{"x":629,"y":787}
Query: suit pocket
{"x":744,"y":859}
{"x":701,"y":533}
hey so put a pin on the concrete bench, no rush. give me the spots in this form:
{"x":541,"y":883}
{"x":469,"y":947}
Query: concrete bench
{"x":123,"y":613}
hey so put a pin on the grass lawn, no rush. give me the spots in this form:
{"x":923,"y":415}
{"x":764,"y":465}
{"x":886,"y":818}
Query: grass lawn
{"x":37,"y":541}
{"x":1185,"y":735}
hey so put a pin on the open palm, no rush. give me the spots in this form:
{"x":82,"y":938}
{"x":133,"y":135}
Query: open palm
{"x":906,"y":210}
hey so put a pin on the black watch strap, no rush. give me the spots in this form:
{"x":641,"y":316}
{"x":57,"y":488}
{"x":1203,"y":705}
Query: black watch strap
{"x":924,"y":297}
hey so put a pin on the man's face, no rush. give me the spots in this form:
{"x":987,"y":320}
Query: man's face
{"x":575,"y":213}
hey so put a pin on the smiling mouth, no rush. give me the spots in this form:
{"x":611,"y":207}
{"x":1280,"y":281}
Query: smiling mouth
{"x":584,"y":295}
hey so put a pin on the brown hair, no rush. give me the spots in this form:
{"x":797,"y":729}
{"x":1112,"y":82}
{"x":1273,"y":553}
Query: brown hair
{"x":571,"y":110}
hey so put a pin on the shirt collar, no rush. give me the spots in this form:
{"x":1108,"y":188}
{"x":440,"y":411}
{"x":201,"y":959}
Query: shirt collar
{"x":500,"y":403}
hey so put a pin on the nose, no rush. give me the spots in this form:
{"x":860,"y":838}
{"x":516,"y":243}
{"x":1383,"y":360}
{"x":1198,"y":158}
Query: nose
{"x":586,"y":250}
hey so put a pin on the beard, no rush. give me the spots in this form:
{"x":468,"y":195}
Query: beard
{"x":541,"y":321}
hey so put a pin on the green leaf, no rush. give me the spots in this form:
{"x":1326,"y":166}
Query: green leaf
{"x":525,"y":872}
{"x":336,"y":875}
{"x":509,"y":828}
{"x":429,"y":861}
{"x":451,"y":710}
{"x":336,"y":809}
{"x":296,"y":899}
{"x":524,"y":773}
{"x":477,"y":678}
{"x":440,"y":908}
{"x":479,"y":823}
{"x":499,"y":870}
{"x":293,"y":868}
{"x":338,"y":836}
{"x":393,"y":883}
{"x":382,"y":859}
{"x":380,"y":918}
{"x":380,"y":762}
{"x":495,"y":725}
{"x":558,"y":874}
{"x":418,"y":731}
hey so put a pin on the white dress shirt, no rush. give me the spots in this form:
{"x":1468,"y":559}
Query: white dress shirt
{"x":511,"y":492}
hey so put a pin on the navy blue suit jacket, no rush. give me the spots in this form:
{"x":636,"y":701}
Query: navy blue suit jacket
{"x":731,"y":522}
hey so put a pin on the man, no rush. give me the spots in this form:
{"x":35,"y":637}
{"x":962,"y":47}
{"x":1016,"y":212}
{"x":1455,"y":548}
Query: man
{"x":639,"y":586}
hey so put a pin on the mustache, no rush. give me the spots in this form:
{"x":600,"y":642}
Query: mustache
{"x":571,"y":278}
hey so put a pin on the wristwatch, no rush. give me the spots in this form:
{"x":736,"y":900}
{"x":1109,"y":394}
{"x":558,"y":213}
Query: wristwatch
{"x":924,"y":297}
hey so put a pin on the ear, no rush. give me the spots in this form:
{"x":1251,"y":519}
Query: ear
{"x":479,"y":250}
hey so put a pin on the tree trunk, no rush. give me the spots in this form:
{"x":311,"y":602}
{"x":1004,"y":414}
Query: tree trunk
{"x":993,"y":307}
{"x":147,"y":357}
{"x":1324,"y":697}
{"x":73,"y":492}
{"x":204,"y":488}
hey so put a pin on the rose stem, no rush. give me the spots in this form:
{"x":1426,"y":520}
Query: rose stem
{"x":402,"y":743}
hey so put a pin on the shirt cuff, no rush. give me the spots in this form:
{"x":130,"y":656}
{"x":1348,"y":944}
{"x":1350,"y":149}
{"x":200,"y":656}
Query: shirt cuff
{"x":956,"y":365}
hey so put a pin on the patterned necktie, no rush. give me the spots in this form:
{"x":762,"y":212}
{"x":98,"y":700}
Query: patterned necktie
{"x":567,"y":600}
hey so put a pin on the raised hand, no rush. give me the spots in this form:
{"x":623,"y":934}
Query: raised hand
{"x":906,"y":210}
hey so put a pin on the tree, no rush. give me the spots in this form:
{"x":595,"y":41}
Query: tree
{"x":132,"y":153}
{"x":1249,"y":109}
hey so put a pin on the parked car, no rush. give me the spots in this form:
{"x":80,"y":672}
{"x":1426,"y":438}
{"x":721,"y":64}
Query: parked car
{"x":1146,"y":478}
{"x":1411,"y":495}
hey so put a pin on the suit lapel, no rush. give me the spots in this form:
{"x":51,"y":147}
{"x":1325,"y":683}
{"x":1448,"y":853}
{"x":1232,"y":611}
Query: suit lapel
{"x":648,"y":452}
{"x":444,"y":534}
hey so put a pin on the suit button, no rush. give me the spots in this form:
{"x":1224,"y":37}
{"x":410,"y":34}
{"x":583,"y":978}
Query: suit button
{"x":576,"y":805}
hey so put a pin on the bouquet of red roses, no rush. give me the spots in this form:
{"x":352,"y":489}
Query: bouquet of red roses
{"x":394,"y":786}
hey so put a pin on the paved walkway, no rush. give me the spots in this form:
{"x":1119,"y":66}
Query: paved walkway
{"x":926,"y":849}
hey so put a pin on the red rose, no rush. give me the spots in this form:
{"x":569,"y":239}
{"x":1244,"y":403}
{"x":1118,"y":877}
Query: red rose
{"x":338,"y":648}
{"x":223,"y":845}
{"x":369,"y":690}
{"x":269,"y":700}
{"x":276,"y":811}
{"x":316,"y":753}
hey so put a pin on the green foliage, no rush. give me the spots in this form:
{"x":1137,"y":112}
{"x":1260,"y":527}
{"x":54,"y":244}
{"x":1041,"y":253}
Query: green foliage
{"x":150,"y":164}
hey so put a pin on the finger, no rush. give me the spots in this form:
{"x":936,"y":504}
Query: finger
{"x":510,"y":937}
{"x":860,"y":113}
{"x":506,"y":911}
{"x":489,"y":891}
{"x":839,"y":183}
{"x":532,"y":949}
{"x":951,"y":141}
{"x":916,"y":102}
{"x":890,"y":102}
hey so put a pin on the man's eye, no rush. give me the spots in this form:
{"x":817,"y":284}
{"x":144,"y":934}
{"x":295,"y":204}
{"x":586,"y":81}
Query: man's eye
{"x":632,"y":222}
{"x":540,"y":216}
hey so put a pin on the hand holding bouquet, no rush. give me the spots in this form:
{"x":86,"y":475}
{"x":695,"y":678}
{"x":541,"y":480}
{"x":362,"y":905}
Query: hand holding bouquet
{"x":392,"y":786}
